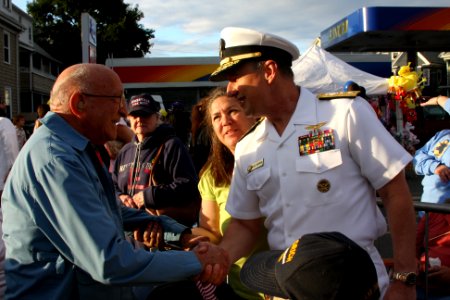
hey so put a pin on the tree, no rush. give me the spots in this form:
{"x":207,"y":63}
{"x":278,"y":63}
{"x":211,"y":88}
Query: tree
{"x":57,"y":28}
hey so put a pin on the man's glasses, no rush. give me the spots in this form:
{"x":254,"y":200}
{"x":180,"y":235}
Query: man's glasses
{"x":121,"y":98}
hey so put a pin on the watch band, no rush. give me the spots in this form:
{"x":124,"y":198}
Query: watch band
{"x":408,"y":278}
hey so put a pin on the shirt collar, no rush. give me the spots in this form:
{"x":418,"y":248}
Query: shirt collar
{"x":306,"y":111}
{"x":60,"y":127}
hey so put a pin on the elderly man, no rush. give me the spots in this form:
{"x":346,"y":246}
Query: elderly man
{"x":63,"y":226}
{"x":312,"y":164}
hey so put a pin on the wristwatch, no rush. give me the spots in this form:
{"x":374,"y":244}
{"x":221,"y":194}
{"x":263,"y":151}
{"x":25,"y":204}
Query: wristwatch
{"x":408,"y":278}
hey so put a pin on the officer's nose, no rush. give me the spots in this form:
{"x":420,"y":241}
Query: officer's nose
{"x":231,"y":90}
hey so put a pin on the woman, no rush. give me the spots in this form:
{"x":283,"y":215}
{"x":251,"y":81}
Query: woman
{"x":155,"y":170}
{"x":227,"y":123}
{"x":200,"y":142}
{"x":19,"y":123}
{"x":41,"y":111}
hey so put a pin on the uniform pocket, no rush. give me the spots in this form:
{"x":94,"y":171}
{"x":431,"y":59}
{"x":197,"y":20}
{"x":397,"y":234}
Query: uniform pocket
{"x":257,"y":178}
{"x":319,"y":175}
{"x":319,"y":162}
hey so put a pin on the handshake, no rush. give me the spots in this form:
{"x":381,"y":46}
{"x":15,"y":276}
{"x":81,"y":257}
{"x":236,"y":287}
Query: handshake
{"x":215,"y":262}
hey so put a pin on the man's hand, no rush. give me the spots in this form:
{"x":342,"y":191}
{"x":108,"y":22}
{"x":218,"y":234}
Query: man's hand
{"x":443,"y":172}
{"x":439,"y":100}
{"x":189,"y":240}
{"x":127,"y":201}
{"x":215,"y":262}
{"x":152,"y":236}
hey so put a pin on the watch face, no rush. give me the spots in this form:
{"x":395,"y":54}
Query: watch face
{"x":411,"y":278}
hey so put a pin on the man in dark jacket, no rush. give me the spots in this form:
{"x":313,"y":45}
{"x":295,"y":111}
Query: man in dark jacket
{"x":155,"y":170}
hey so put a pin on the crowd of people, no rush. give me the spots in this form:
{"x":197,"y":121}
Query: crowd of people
{"x":278,"y":188}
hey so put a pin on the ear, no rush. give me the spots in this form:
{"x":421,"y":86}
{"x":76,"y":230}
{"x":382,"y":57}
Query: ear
{"x":76,"y":104}
{"x":270,"y":70}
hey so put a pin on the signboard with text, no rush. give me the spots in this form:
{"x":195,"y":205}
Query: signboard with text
{"x":88,"y":38}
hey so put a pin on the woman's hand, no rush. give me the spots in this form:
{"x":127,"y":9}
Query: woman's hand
{"x":127,"y":201}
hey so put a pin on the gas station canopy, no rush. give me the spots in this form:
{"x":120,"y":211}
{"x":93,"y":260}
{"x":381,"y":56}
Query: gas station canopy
{"x":390,"y":29}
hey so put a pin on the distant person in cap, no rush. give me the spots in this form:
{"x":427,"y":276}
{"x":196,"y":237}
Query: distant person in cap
{"x":311,"y":165}
{"x":350,"y":86}
{"x":155,"y":171}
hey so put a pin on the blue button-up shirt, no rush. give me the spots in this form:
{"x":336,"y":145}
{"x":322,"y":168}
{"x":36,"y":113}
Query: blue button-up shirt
{"x":64,"y":233}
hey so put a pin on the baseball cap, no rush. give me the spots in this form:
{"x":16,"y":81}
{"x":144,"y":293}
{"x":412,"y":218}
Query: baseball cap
{"x":241,"y":44}
{"x":143,"y":103}
{"x":325,"y":265}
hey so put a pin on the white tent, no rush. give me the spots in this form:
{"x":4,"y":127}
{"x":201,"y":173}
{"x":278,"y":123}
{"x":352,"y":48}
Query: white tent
{"x":322,"y":72}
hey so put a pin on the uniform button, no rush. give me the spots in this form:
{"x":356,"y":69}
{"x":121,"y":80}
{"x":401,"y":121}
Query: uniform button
{"x":283,"y":174}
{"x":288,"y":204}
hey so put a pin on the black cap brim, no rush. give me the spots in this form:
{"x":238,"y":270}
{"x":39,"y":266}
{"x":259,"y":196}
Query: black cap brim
{"x":325,"y":265}
{"x":258,"y":273}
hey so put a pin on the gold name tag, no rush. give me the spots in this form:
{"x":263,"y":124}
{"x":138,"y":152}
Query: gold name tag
{"x":255,"y":165}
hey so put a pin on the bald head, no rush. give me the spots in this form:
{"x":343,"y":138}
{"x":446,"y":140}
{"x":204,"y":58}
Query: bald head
{"x":89,"y":98}
{"x":83,"y":78}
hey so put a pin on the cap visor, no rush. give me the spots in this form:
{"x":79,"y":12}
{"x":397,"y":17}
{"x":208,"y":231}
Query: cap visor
{"x":258,"y":273}
{"x":219,"y":74}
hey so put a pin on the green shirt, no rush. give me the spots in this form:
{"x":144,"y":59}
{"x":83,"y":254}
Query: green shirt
{"x":210,"y":192}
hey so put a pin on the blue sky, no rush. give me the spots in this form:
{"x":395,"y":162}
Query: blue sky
{"x":192,"y":27}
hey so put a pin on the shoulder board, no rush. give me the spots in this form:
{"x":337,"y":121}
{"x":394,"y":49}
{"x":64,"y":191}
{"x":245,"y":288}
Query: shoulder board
{"x":253,"y":127}
{"x":338,"y":95}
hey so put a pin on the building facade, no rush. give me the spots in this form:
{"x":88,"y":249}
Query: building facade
{"x":10,"y":29}
{"x":27,"y":72}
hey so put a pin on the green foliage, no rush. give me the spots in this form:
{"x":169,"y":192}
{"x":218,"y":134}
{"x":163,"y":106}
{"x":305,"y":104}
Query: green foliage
{"x":57,"y":28}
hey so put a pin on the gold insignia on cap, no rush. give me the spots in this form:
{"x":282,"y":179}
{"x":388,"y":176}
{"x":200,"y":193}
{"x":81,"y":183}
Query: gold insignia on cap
{"x":323,"y":186}
{"x":236,"y":58}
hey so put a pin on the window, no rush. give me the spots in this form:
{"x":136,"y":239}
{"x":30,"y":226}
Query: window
{"x":30,"y":33}
{"x":7,"y":4}
{"x":8,"y":95}
{"x":6,"y":48}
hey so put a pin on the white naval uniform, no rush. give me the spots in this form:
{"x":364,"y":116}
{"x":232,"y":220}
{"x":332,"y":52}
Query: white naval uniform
{"x":282,"y":185}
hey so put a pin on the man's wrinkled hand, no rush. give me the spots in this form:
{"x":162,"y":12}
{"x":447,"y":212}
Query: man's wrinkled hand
{"x":152,"y":235}
{"x":189,"y":240}
{"x":215,"y":263}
